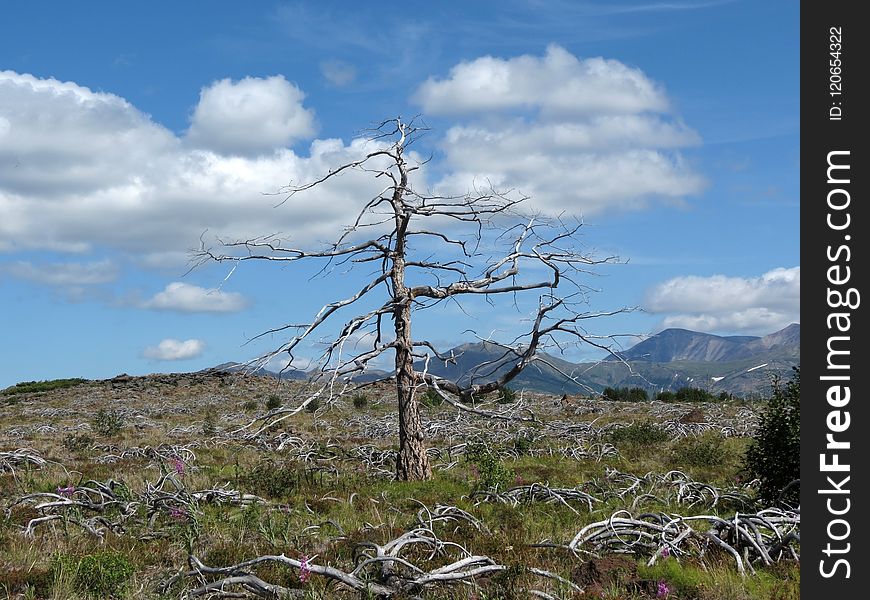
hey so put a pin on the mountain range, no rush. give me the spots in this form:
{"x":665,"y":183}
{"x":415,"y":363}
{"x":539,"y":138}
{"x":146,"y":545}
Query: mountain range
{"x":668,"y":360}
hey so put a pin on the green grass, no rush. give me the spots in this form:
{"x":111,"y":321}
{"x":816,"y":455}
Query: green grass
{"x":718,"y":581}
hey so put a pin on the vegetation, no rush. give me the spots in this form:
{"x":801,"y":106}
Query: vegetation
{"x":644,"y":433}
{"x":209,"y":422}
{"x":273,"y":402}
{"x":706,"y":450}
{"x":100,"y":575}
{"x":625,"y":394}
{"x":692,"y":394}
{"x":107,"y":423}
{"x":431,"y":398}
{"x":77,"y":442}
{"x":486,"y":467}
{"x":506,"y":395}
{"x":774,"y":454}
{"x":322,"y":489}
{"x":30,"y":387}
{"x":360,"y":401}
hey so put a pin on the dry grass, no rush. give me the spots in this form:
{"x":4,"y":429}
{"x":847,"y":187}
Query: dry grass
{"x":321,"y":499}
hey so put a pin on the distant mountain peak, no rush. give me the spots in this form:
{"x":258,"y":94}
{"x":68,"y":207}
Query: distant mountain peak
{"x":677,"y":344}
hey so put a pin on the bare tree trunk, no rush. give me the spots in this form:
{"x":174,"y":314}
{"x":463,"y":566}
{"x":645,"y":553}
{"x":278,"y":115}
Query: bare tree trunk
{"x":412,"y":462}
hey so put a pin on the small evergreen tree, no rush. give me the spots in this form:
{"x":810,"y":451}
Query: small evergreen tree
{"x":666,"y":396}
{"x":637,"y":394}
{"x":774,"y":454}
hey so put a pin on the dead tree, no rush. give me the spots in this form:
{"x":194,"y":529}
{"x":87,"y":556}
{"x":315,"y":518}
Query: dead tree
{"x":414,"y":277}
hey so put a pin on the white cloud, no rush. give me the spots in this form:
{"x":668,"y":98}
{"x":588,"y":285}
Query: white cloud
{"x":576,"y":135}
{"x":250,"y":117}
{"x":184,"y":297}
{"x":81,"y":170}
{"x":338,"y":72}
{"x":171,"y":349}
{"x":558,"y":84}
{"x":64,"y":274}
{"x":718,"y":303}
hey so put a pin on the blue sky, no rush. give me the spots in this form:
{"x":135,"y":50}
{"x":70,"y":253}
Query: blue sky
{"x":126,"y":132}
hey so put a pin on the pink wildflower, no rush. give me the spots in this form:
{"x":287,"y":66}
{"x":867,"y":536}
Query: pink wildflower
{"x":304,"y":569}
{"x":178,"y":465}
{"x":178,"y":514}
{"x":66,"y":492}
{"x":663,"y":590}
{"x":666,"y":552}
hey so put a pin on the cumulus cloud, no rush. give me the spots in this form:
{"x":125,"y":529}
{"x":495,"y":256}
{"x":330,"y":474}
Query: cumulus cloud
{"x":184,"y":297}
{"x":577,"y":135}
{"x":63,"y":274}
{"x":558,"y":84}
{"x":250,"y":117}
{"x":737,"y":304}
{"x":171,"y":349}
{"x":81,"y":170}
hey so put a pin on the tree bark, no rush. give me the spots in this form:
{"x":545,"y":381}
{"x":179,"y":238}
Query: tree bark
{"x":412,"y":462}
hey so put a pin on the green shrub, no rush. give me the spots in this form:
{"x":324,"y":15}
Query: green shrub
{"x":28,"y":387}
{"x":506,"y":585}
{"x":692,"y":394}
{"x":250,"y":405}
{"x":272,"y":479}
{"x":625,"y":394}
{"x":107,"y":423}
{"x":506,"y":396}
{"x":524,"y":442}
{"x":77,"y":443}
{"x":702,"y":451}
{"x":431,"y":398}
{"x":102,"y":575}
{"x":773,"y":455}
{"x":490,"y":470}
{"x":312,"y":406}
{"x":639,"y":434}
{"x":209,"y":423}
{"x":666,"y":396}
{"x":273,"y":402}
{"x":360,"y":401}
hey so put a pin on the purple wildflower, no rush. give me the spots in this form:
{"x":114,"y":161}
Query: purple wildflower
{"x":178,"y":514}
{"x":304,"y":569}
{"x":66,"y":492}
{"x":666,"y":552}
{"x":663,"y":590}
{"x":178,"y":465}
{"x":519,"y":480}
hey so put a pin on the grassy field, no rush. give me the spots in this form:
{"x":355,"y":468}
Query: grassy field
{"x":147,"y":488}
